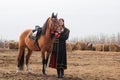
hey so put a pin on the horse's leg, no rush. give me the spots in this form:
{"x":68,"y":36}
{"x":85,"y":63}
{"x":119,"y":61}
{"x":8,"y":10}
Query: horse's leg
{"x":43,"y":62}
{"x":20,"y":60}
{"x":27,"y":59}
{"x":47,"y":57}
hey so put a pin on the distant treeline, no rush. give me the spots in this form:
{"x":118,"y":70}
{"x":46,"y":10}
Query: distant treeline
{"x":95,"y":43}
{"x":99,"y":39}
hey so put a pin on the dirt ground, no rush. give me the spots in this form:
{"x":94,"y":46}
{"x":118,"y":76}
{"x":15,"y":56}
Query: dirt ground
{"x":82,"y":65}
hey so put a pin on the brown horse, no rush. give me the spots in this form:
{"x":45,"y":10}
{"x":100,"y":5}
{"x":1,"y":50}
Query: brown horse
{"x":45,"y":43}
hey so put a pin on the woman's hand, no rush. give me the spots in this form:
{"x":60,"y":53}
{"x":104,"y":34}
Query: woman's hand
{"x":57,"y":35}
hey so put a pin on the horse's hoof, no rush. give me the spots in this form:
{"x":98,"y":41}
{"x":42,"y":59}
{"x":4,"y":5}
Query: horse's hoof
{"x":19,"y":69}
{"x":30,"y":72}
{"x":18,"y":72}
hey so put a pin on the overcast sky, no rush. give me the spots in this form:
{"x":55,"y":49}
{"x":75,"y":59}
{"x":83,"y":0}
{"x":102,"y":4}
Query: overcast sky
{"x":82,"y":17}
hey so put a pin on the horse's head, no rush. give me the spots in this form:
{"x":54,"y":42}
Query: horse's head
{"x":52,"y":25}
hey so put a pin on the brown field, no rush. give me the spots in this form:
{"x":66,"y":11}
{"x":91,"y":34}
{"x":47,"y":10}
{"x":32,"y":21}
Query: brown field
{"x":82,"y":65}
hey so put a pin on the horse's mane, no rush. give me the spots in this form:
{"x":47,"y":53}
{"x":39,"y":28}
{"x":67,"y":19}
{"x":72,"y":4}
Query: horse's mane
{"x":44,"y":27}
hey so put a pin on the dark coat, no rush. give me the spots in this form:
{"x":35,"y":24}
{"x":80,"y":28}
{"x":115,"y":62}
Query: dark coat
{"x":58,"y":57}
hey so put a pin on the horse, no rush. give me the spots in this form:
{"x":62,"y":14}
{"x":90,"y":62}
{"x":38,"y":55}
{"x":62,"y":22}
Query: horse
{"x":45,"y":43}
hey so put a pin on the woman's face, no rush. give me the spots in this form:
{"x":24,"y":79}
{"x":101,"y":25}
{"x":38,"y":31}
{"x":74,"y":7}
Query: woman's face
{"x":61,"y":23}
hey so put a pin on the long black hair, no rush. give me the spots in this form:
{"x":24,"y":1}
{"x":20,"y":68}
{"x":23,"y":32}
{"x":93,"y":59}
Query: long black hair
{"x":63,"y":22}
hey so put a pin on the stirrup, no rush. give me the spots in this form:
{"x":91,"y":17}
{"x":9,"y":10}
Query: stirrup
{"x":35,"y":44}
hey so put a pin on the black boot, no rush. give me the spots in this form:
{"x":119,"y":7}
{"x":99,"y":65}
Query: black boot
{"x":58,"y":73}
{"x":36,"y":43}
{"x":62,"y":73}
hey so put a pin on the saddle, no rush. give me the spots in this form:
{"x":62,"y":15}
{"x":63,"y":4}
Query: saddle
{"x":32,"y":36}
{"x":35,"y":35}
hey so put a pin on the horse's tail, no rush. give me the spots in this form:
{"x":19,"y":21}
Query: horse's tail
{"x":21,"y":48}
{"x":21,"y":59}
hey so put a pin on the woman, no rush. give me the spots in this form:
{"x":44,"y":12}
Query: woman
{"x":58,"y":59}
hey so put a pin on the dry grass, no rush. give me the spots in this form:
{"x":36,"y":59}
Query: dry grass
{"x":13,"y":45}
{"x":114,"y":47}
{"x":69,"y":47}
{"x":80,"y":46}
{"x":82,"y":65}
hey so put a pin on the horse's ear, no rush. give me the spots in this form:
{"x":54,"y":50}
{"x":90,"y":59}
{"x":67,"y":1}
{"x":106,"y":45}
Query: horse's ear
{"x":52,"y":15}
{"x":56,"y":15}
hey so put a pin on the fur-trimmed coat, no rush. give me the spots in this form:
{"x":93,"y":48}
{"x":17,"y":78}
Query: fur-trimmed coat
{"x":58,"y":57}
